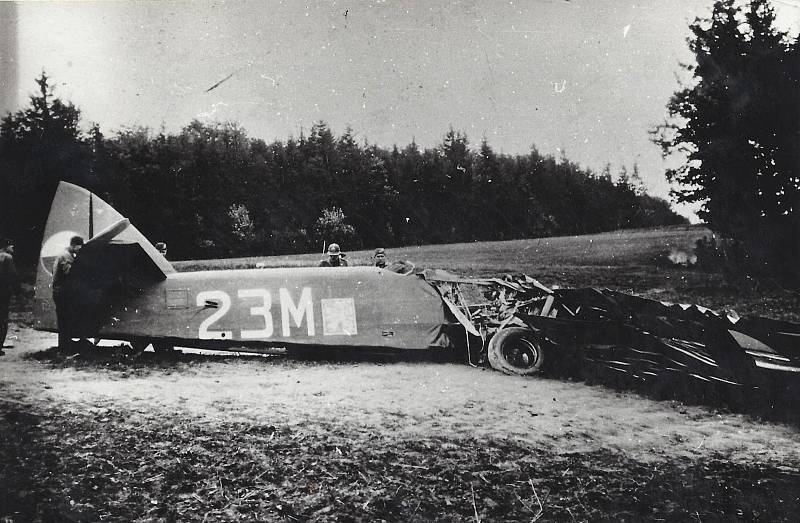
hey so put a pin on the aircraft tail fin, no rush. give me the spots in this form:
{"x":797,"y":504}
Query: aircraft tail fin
{"x":75,"y":211}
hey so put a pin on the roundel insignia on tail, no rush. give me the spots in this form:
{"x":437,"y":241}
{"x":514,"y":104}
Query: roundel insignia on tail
{"x":53,"y":247}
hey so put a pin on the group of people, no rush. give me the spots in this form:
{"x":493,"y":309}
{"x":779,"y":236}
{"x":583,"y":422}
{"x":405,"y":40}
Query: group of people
{"x":336,"y":258}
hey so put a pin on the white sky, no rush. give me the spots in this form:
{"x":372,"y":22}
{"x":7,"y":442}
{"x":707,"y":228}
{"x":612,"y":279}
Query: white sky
{"x":589,"y":76}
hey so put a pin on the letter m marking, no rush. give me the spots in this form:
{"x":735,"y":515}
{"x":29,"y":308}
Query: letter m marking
{"x":291,"y":313}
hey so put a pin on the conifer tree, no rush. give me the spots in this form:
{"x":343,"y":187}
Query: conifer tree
{"x":39,"y":145}
{"x":738,"y":126}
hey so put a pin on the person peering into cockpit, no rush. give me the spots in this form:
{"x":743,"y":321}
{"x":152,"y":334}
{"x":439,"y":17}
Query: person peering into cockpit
{"x":334,"y":257}
{"x":380,"y":257}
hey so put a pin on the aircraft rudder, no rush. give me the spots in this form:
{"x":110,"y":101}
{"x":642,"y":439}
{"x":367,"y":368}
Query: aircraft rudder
{"x":76,"y":211}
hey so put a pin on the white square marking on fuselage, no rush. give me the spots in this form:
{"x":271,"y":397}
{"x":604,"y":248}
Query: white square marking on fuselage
{"x":338,"y":317}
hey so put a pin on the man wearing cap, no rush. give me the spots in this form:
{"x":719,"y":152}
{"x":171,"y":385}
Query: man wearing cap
{"x":161,"y":247}
{"x":380,"y":257}
{"x":334,"y":257}
{"x":61,"y":270}
{"x":9,"y":282}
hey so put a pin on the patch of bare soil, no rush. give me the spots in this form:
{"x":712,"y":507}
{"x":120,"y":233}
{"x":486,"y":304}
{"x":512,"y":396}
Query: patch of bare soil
{"x":104,"y":436}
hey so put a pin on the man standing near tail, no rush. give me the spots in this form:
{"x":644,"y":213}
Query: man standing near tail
{"x":9,"y":283}
{"x":61,"y":270}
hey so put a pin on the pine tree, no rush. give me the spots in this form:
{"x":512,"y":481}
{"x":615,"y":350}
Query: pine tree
{"x":39,"y":146}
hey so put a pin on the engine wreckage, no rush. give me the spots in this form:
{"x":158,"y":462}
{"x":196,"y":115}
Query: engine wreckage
{"x":531,"y":328}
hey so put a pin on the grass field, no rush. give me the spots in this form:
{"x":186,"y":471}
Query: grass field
{"x":622,"y":248}
{"x":634,"y":261}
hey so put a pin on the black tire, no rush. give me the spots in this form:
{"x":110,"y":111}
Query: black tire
{"x":518,"y":351}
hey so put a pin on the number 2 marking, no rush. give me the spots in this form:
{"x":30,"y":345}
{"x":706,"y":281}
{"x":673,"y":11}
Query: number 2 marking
{"x":225,"y":305}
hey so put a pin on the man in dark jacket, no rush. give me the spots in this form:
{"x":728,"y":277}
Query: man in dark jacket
{"x":9,"y":283}
{"x":61,"y":270}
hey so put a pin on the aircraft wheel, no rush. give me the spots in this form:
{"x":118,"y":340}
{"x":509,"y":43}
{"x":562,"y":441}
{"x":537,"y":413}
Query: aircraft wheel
{"x":516,"y":350}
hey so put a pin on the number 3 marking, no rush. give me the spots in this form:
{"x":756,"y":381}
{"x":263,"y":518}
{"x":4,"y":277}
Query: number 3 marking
{"x":262,"y":310}
{"x":224,"y":306}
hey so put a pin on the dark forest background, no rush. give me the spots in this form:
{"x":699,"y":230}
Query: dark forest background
{"x":212,"y":191}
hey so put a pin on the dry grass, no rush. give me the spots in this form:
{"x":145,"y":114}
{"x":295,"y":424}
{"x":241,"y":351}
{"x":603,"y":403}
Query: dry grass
{"x":613,"y":249}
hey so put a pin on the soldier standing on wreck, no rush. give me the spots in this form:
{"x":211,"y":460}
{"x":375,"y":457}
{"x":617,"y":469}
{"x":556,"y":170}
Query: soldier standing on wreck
{"x":61,"y":270}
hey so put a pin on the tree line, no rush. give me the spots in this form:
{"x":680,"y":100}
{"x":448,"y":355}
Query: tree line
{"x":210,"y":190}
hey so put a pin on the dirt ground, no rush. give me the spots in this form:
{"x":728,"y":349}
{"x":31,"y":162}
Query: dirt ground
{"x":214,"y":437}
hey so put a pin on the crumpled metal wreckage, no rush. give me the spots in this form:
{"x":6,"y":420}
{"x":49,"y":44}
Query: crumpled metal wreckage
{"x":530,"y":328}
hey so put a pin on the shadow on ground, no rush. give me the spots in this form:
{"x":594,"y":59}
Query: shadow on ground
{"x":123,"y":357}
{"x":772,"y":396}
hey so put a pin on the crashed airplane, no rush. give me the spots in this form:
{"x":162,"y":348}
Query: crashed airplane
{"x":122,"y":288}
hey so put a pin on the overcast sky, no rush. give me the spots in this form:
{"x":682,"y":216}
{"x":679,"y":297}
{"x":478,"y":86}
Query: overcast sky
{"x":587,"y":76}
